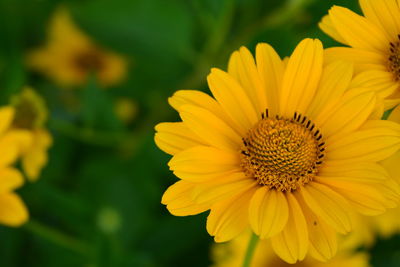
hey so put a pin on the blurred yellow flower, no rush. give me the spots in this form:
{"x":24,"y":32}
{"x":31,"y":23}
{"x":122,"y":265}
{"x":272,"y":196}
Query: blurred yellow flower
{"x":12,"y":210}
{"x":374,"y":41}
{"x":231,"y":254}
{"x":69,"y":56}
{"x":34,"y":139}
{"x":288,"y":149}
{"x":125,"y":109}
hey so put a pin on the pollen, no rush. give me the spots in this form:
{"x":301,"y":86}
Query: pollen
{"x":282,"y":154}
{"x":394,"y":58}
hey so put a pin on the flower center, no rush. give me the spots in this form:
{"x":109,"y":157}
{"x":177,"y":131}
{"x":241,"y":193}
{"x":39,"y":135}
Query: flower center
{"x":281,"y":153}
{"x":30,"y":111}
{"x":90,"y":60}
{"x":394,"y":59}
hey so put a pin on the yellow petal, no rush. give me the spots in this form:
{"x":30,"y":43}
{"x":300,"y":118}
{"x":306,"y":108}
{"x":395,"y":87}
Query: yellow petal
{"x":22,"y":138}
{"x":323,"y":244}
{"x":301,"y":78}
{"x":179,"y":202}
{"x":224,"y":187}
{"x":335,"y":80}
{"x":173,"y":137}
{"x":390,"y":189}
{"x":375,"y":141}
{"x":360,"y":171}
{"x":6,"y":118}
{"x":10,"y":179}
{"x":233,"y":98}
{"x":392,"y":101}
{"x":34,"y":157}
{"x":201,"y":163}
{"x":363,"y":197}
{"x":43,"y":138}
{"x":380,"y":81}
{"x":202,"y":100}
{"x":229,"y":218}
{"x":33,"y":162}
{"x":9,"y":152}
{"x":383,"y":13}
{"x":243,"y":68}
{"x":357,"y":30}
{"x":328,"y":205}
{"x":379,"y":109}
{"x":354,"y":108}
{"x":12,"y":210}
{"x":364,"y":60}
{"x":271,"y":69}
{"x":392,"y":165}
{"x":268,"y":212}
{"x":327,"y":26}
{"x":211,"y":129}
{"x":291,"y":244}
{"x":395,"y":115}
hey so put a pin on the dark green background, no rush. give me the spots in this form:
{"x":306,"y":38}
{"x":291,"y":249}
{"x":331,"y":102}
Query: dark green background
{"x":99,"y":164}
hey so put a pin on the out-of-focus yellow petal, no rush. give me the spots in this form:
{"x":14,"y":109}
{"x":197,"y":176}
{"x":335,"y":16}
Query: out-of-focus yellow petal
{"x":12,"y":210}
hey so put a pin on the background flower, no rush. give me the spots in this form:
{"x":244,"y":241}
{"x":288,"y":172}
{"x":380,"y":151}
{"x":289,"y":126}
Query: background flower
{"x":29,"y":120}
{"x":70,"y":56}
{"x":375,"y":44}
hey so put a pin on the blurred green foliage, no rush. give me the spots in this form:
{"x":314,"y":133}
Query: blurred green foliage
{"x":98,"y":200}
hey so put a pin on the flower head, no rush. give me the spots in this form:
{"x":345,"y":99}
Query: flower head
{"x":69,"y":56}
{"x":374,"y":44}
{"x":288,"y":149}
{"x":28,"y":125}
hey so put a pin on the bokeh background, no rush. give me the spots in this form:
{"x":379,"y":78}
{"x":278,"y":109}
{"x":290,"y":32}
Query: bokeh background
{"x":97,"y":202}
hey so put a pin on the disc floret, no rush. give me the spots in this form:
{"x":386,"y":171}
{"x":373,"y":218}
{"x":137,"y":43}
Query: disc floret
{"x":282,"y":153}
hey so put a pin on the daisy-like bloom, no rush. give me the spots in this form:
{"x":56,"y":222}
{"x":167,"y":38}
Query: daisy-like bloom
{"x":12,"y":210}
{"x":290,"y":149}
{"x":29,"y":124}
{"x":69,"y":56}
{"x":231,"y":254}
{"x":374,"y":44}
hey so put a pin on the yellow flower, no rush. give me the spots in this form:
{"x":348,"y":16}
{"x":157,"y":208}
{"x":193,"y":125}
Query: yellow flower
{"x":374,"y":42}
{"x":69,"y":56}
{"x":125,"y":109}
{"x":28,"y":123}
{"x":288,"y":149}
{"x":232,"y":254}
{"x":12,"y":210}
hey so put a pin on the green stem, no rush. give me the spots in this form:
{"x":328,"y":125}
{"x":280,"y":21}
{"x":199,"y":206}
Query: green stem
{"x":250,"y":250}
{"x":87,"y":135}
{"x":57,"y":237}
